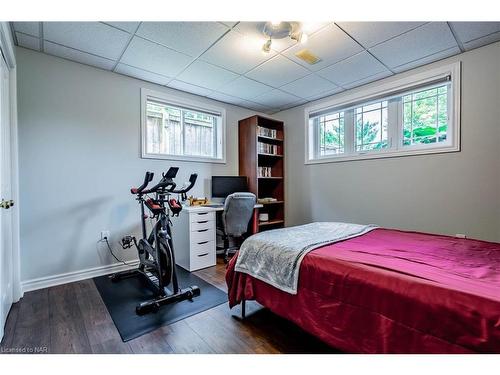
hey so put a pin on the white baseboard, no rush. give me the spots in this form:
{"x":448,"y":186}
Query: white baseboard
{"x":48,"y":281}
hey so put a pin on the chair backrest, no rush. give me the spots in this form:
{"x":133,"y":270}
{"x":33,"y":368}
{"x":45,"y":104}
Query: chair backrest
{"x":238,"y":210}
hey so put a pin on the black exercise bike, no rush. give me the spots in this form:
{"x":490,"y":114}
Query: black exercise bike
{"x":156,"y":251}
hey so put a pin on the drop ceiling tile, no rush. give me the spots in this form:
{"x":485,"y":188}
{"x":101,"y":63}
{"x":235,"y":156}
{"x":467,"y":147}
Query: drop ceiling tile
{"x":28,"y":41}
{"x":467,"y":31}
{"x":229,"y":23}
{"x":129,"y":27}
{"x":221,"y":97}
{"x":368,"y":79}
{"x":253,"y":30}
{"x":237,"y":52}
{"x":369,"y":34}
{"x":427,"y":59}
{"x":313,"y":27}
{"x":193,"y":89}
{"x":329,"y":44}
{"x":150,"y":56}
{"x":325,"y":94}
{"x":423,"y":41}
{"x":78,"y":56}
{"x":30,"y":28}
{"x":191,"y":38}
{"x":141,"y":74}
{"x":475,"y":43}
{"x":278,"y":71}
{"x":92,"y":37}
{"x":276,"y":99}
{"x":244,"y":88}
{"x":257,"y":107}
{"x":293,"y":105}
{"x":308,"y":86}
{"x":354,"y":68}
{"x":206,"y":75}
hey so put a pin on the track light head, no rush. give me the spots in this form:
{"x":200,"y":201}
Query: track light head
{"x":267,"y":46}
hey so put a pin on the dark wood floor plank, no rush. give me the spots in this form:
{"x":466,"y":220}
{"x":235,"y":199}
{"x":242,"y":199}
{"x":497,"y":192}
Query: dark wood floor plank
{"x":32,"y":330}
{"x":256,"y":341}
{"x":152,"y":343}
{"x":183,"y":340}
{"x":10,"y":326}
{"x":72,"y":318}
{"x":101,"y":331}
{"x":217,"y":335}
{"x":67,"y":327}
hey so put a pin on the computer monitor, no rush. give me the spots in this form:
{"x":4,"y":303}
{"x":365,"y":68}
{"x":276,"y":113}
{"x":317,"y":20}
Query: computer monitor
{"x":222,"y":186}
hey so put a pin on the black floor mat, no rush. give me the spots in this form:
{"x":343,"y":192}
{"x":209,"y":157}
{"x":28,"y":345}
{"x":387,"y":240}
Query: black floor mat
{"x":122,"y":297}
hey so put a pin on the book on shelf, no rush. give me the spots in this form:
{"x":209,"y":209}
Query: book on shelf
{"x":266,"y":200}
{"x":266,"y":148}
{"x":265,"y":132}
{"x":264,"y":172}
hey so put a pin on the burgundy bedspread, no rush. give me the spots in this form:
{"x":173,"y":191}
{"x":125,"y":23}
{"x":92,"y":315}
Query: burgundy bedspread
{"x":391,"y":291}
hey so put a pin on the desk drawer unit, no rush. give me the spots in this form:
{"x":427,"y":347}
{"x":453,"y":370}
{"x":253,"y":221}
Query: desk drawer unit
{"x":202,"y":255}
{"x":194,"y":239}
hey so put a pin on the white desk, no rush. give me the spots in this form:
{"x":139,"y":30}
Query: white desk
{"x":194,"y":237}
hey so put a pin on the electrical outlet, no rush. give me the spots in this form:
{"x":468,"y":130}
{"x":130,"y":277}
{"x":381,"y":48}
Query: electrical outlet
{"x":105,"y":235}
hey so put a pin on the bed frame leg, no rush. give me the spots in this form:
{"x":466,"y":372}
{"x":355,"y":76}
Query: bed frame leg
{"x":243,"y":306}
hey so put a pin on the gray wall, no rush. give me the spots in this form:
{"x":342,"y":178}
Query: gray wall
{"x":79,"y":147}
{"x":446,"y":193}
{"x":79,"y":155}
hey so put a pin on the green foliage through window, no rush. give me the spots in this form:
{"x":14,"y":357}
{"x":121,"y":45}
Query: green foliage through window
{"x":425,"y":116}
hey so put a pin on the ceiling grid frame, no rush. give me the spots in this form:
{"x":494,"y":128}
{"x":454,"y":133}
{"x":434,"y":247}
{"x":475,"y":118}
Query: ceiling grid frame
{"x":483,"y":33}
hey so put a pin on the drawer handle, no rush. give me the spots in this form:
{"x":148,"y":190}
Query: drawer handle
{"x":202,"y":255}
{"x":202,"y":230}
{"x":202,"y":243}
{"x":201,"y":213}
{"x":202,"y":222}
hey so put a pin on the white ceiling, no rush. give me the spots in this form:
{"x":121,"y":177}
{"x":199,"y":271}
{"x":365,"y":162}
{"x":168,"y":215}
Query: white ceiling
{"x":224,"y":60}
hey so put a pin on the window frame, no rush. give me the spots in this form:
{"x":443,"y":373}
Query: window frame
{"x":193,"y":105}
{"x":376,"y":93}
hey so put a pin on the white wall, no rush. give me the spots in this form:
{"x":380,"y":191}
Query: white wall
{"x":446,"y":193}
{"x":79,"y":156}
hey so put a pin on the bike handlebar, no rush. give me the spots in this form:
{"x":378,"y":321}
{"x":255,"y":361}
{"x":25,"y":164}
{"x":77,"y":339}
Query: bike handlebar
{"x":166,"y":183}
{"x":147,"y":179}
{"x":192,"y":180}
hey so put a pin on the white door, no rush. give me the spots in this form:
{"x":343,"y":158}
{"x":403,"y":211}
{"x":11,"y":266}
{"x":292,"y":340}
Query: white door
{"x":6,"y":254}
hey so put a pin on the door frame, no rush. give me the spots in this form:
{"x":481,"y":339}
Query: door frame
{"x":8,"y":49}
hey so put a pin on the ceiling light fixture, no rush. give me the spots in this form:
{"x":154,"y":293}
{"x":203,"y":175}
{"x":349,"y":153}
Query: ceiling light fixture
{"x":281,"y":30}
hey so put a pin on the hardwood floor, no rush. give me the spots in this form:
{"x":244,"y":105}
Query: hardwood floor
{"x":72,"y":318}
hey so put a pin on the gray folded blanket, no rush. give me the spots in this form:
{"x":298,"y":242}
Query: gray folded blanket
{"x":274,"y":256}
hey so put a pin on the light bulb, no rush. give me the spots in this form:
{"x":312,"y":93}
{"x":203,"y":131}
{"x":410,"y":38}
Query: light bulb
{"x":303,"y":38}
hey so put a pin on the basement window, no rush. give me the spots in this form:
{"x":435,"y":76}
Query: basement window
{"x":419,"y":114}
{"x":181,"y":130}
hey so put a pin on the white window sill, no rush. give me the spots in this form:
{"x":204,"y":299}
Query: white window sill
{"x":385,"y":154}
{"x":194,"y":159}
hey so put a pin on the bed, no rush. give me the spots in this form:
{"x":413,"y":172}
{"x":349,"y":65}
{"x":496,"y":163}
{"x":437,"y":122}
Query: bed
{"x":390,"y":291}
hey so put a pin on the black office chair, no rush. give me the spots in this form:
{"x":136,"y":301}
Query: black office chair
{"x":238,"y":210}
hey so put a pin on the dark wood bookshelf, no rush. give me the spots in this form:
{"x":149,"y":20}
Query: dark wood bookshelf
{"x":250,"y":159}
{"x":269,"y":223}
